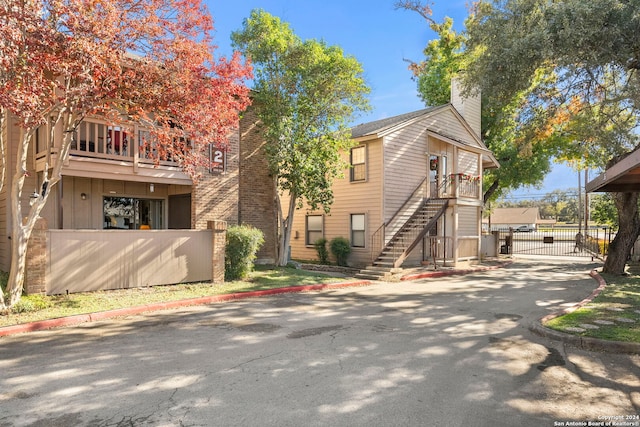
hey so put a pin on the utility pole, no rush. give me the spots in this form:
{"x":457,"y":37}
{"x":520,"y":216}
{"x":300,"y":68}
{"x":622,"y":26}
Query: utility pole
{"x":579,"y":204}
{"x":586,"y":201}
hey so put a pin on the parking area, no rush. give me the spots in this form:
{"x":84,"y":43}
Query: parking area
{"x":452,"y":351}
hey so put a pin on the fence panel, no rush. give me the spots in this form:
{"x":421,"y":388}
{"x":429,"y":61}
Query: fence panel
{"x":556,"y":241}
{"x":90,"y":260}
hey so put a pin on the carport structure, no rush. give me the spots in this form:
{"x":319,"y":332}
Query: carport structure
{"x":622,"y":177}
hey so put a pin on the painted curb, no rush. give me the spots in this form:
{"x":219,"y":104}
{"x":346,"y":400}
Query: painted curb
{"x":129,"y":311}
{"x":585,"y":343}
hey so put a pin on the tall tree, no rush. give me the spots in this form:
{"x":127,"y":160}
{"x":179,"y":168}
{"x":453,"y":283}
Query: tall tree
{"x":149,"y":62}
{"x":524,"y":160}
{"x":306,"y":93}
{"x":588,"y":54}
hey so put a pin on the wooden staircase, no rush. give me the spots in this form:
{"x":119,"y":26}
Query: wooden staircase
{"x":407,"y":237}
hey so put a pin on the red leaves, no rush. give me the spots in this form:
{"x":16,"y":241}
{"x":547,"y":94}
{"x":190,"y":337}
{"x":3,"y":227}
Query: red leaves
{"x":150,"y":61}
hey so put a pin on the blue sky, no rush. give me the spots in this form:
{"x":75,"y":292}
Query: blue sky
{"x":380,"y":37}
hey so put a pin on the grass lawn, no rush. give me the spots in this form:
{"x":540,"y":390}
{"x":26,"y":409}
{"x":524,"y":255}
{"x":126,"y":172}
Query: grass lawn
{"x":620,"y":299}
{"x":41,"y":307}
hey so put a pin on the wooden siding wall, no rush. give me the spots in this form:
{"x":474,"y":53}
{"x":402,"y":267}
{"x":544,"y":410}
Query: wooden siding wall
{"x":350,"y":198}
{"x":87,"y":260}
{"x":468,"y":163}
{"x":88,"y":214}
{"x":468,"y":221}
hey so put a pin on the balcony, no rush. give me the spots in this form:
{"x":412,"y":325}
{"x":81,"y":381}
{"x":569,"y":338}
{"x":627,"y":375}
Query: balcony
{"x":101,"y":150}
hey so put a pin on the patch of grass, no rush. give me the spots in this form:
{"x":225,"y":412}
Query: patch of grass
{"x":619,"y":299}
{"x":41,"y":307}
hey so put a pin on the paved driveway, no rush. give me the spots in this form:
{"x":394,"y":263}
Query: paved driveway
{"x":452,"y":351}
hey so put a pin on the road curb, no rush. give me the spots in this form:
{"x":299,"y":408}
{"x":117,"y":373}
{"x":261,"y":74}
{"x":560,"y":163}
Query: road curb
{"x":128,"y":311}
{"x":586,"y":343}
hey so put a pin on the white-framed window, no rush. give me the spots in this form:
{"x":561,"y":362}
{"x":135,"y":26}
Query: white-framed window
{"x":358,"y":163}
{"x":358,"y":230}
{"x":314,"y":228}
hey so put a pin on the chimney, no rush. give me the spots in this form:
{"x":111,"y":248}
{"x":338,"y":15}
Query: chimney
{"x":468,"y":107}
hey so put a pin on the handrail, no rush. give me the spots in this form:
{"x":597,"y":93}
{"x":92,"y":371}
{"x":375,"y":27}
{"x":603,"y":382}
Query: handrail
{"x":378,"y":238}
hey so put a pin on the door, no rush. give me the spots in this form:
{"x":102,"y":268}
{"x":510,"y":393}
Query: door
{"x":438,"y":183}
{"x":180,"y":211}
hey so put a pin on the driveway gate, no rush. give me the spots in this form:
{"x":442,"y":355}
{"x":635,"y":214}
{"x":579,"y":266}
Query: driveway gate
{"x":557,"y":241}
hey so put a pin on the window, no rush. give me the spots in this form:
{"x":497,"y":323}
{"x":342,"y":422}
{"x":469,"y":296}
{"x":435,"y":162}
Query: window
{"x":358,"y":163}
{"x":127,"y":213}
{"x":357,"y":230}
{"x":314,"y":229}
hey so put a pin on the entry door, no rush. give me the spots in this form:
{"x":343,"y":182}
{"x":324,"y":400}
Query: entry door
{"x":180,"y":211}
{"x":438,"y":183}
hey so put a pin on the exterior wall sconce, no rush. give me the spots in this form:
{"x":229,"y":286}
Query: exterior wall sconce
{"x":33,"y":198}
{"x":151,"y":188}
{"x":83,"y":196}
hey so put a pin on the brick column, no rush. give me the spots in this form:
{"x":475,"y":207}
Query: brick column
{"x":37,"y":259}
{"x":219,"y":241}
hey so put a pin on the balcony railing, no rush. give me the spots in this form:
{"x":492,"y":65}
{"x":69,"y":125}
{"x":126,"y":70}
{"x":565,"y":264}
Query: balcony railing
{"x":465,"y":185}
{"x":96,"y":139}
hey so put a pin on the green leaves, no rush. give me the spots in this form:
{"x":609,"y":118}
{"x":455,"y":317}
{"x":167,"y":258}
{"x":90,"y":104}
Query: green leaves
{"x":306,"y":93}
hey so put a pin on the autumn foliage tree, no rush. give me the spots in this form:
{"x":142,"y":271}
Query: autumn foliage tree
{"x":149,"y":61}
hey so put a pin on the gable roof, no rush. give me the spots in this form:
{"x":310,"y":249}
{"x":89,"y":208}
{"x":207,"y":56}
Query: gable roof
{"x":515,"y":216}
{"x":379,"y":126}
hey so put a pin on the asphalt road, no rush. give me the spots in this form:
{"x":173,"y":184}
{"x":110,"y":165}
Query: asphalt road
{"x":452,"y":351}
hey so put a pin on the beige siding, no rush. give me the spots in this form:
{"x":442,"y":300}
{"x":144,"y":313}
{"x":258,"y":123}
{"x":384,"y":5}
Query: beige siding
{"x":468,"y":163}
{"x":87,"y":260}
{"x":467,"y":221}
{"x":350,"y":198}
{"x":405,"y":165}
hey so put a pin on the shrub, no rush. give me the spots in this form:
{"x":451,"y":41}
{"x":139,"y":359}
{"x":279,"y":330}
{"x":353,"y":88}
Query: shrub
{"x":29,"y":303}
{"x":321,"y":248}
{"x":340,"y":249}
{"x":243,"y":242}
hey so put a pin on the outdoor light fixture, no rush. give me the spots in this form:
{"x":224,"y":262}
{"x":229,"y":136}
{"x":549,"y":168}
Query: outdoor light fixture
{"x":83,"y":196}
{"x":33,"y":198}
{"x":151,"y":188}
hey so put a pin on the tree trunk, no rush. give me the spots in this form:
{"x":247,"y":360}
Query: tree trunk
{"x":628,"y":231}
{"x":285,"y":231}
{"x":492,"y":189}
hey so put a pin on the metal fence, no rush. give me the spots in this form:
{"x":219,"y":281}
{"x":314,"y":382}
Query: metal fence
{"x":557,"y":241}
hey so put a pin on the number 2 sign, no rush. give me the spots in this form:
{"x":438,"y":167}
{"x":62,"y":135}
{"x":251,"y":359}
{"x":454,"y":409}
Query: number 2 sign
{"x":218,"y":160}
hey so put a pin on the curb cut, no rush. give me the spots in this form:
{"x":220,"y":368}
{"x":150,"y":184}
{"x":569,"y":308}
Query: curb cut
{"x":128,"y":311}
{"x":585,"y":343}
{"x":436,"y":273}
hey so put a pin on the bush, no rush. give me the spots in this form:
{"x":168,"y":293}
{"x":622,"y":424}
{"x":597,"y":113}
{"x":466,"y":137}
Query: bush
{"x":243,"y":242}
{"x":30,"y":303}
{"x":321,"y":248}
{"x":340,"y":248}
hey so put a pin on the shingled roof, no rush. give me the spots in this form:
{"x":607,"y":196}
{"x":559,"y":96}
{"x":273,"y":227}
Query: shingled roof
{"x":377,"y":126}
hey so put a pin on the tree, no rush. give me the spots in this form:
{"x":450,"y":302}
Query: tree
{"x":523,"y":159}
{"x":150,"y":62}
{"x":588,"y":57}
{"x":603,"y":210}
{"x":306,"y":92}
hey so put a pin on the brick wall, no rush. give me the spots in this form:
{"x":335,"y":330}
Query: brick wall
{"x":37,"y":260}
{"x":257,"y":191}
{"x":215,"y":196}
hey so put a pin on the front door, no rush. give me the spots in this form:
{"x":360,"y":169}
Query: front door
{"x":438,"y":183}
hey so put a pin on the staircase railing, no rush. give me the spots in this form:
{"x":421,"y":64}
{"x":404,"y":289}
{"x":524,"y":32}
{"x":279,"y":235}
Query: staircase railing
{"x":408,"y":237}
{"x":417,"y":198}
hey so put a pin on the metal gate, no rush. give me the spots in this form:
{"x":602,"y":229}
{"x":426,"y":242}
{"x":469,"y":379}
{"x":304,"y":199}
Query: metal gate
{"x":557,"y":241}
